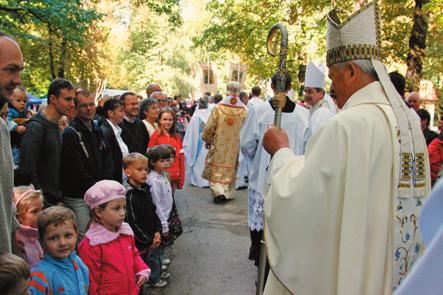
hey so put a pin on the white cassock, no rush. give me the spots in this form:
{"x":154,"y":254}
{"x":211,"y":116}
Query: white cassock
{"x":318,"y":115}
{"x":329,"y":216}
{"x":243,"y":162}
{"x":251,"y":137}
{"x":195,"y":149}
{"x":253,"y":101}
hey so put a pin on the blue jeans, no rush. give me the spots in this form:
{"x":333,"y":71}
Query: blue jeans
{"x":152,"y":259}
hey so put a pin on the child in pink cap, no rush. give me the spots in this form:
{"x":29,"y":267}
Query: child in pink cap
{"x":109,"y":248}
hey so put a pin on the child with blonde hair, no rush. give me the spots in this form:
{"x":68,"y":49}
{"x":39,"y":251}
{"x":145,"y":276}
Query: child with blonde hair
{"x":28,"y":204}
{"x":60,"y":271}
{"x":108,"y":248}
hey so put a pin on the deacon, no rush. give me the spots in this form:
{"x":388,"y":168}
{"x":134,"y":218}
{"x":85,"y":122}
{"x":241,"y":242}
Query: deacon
{"x":344,"y":218}
{"x":321,"y":105}
{"x":222,"y":136}
{"x":260,"y":116}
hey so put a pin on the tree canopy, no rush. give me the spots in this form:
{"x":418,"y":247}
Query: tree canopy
{"x":241,"y":27}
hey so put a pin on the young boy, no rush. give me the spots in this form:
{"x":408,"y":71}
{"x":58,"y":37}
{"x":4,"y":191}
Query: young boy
{"x":14,"y":274}
{"x":141,"y":216}
{"x":60,"y":271}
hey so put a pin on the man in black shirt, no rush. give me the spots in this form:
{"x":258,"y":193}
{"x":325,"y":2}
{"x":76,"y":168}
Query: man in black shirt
{"x":134,"y":132}
{"x":86,"y":158}
{"x":41,"y":144}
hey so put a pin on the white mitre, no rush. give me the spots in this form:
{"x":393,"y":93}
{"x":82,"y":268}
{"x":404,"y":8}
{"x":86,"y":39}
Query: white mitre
{"x":358,"y":37}
{"x":315,"y":76}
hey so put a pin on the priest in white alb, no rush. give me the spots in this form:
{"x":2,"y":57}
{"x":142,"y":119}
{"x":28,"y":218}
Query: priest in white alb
{"x":343,"y":220}
{"x":260,"y":117}
{"x":194,"y":146}
{"x":321,"y":105}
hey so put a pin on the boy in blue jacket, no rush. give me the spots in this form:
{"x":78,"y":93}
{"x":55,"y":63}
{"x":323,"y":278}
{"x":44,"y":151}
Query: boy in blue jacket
{"x":61,"y":271}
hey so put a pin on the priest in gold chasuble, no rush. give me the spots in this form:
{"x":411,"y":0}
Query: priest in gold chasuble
{"x":222,"y":135}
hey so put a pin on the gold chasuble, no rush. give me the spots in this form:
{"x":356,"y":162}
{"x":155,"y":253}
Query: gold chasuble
{"x":223,"y":133}
{"x":343,"y":220}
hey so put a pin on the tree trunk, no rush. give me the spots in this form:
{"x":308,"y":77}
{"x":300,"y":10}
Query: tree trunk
{"x":51,"y":52}
{"x":417,"y":45}
{"x":61,"y":69}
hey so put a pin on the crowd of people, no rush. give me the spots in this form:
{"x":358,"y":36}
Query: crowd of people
{"x":93,"y":204}
{"x":97,"y":180}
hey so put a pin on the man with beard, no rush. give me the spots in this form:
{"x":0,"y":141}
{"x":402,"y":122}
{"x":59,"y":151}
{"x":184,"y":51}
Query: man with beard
{"x":134,"y":132}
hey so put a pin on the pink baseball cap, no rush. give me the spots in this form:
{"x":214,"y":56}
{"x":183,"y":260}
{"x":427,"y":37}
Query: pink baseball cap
{"x":103,"y":192}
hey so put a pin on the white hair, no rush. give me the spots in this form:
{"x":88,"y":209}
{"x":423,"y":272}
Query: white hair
{"x":233,"y":87}
{"x":364,"y":64}
{"x":156,"y":94}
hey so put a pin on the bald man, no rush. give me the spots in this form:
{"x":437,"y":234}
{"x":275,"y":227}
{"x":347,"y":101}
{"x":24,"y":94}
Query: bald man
{"x":11,"y":64}
{"x":414,"y":99}
{"x":152,"y":87}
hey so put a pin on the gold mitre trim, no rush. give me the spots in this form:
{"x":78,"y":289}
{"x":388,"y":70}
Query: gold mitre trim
{"x":341,"y":32}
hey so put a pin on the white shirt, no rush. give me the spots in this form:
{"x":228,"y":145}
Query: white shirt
{"x":118,"y":134}
{"x":151,"y":128}
{"x":161,"y":193}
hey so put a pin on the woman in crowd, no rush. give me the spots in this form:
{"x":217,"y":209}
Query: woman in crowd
{"x":113,"y":111}
{"x":149,"y":110}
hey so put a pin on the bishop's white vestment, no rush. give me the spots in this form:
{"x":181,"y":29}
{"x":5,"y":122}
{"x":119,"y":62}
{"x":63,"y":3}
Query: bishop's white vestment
{"x":331,"y":216}
{"x":195,"y":149}
{"x":259,"y":118}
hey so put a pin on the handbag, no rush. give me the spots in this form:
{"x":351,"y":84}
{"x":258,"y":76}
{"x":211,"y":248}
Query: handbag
{"x":175,"y":224}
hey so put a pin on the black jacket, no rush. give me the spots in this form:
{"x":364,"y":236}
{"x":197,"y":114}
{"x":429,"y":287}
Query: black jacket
{"x":40,"y":151}
{"x":141,"y":215}
{"x":116,"y":153}
{"x":86,"y":158}
{"x":135,"y":135}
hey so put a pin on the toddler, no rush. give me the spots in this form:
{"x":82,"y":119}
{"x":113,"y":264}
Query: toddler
{"x":160,"y":188}
{"x":141,"y":216}
{"x":14,"y":275}
{"x":60,"y":271}
{"x":29,"y":204}
{"x":108,"y":248}
{"x":17,"y":117}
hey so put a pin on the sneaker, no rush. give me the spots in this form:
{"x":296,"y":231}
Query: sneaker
{"x":159,"y":284}
{"x":166,"y":261}
{"x":164,"y":267}
{"x":220,"y":199}
{"x":165,"y":275}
